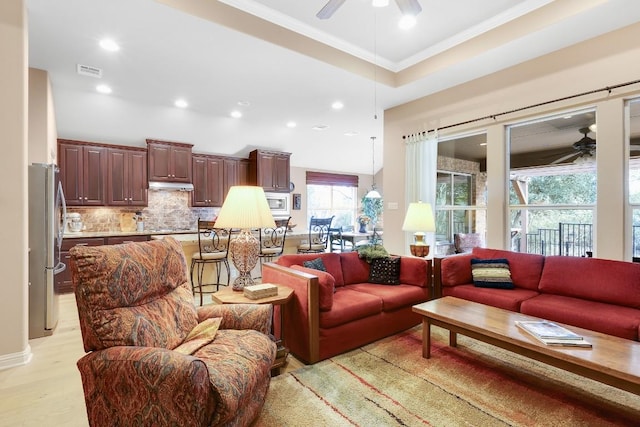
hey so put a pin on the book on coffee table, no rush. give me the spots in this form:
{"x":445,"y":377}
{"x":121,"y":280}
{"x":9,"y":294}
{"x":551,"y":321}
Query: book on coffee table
{"x":551,"y":333}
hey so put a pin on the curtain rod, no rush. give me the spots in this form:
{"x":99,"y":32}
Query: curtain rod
{"x":493,"y":116}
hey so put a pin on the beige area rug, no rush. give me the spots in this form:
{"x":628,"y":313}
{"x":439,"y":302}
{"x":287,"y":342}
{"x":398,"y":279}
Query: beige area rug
{"x":388,"y":383}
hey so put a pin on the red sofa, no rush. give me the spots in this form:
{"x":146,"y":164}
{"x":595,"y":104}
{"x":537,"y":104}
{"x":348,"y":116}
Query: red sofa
{"x":591,"y":293}
{"x":320,"y":323}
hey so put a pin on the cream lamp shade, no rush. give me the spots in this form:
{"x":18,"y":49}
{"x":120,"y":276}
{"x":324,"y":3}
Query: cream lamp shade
{"x":419,"y":219}
{"x":246,"y":208}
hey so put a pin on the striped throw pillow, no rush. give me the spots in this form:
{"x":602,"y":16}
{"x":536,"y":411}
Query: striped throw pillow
{"x":491,"y":273}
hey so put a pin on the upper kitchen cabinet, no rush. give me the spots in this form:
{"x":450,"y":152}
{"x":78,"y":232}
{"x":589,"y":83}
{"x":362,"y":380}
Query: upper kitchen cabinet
{"x":169,"y":161}
{"x":207,"y":181}
{"x":127,"y":177}
{"x":270,"y":170}
{"x":82,"y":171}
{"x":214,"y":175}
{"x":243,"y":172}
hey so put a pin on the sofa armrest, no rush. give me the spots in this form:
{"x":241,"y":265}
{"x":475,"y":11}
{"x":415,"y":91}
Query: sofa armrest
{"x":123,"y":384}
{"x":240,"y":316}
{"x":452,"y":270}
{"x":302,"y":313}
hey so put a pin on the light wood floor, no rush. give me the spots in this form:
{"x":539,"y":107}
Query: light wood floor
{"x":48,"y":390}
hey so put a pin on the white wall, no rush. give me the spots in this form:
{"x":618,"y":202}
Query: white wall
{"x":601,"y":62}
{"x":14,"y":346}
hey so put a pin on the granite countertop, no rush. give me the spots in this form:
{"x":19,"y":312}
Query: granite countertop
{"x":86,"y":234}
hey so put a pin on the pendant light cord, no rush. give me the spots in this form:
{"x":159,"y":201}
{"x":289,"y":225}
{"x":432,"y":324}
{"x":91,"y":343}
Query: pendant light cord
{"x":375,"y":65}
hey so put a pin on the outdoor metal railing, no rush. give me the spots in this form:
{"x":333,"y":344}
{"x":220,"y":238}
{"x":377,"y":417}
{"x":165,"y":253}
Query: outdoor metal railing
{"x":568,"y":240}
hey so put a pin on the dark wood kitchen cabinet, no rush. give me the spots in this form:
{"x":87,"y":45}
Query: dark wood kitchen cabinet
{"x":207,"y":181}
{"x":270,"y":170}
{"x":243,"y":172}
{"x":169,"y":161}
{"x":82,"y":171}
{"x":127,"y":177}
{"x":236,"y":171}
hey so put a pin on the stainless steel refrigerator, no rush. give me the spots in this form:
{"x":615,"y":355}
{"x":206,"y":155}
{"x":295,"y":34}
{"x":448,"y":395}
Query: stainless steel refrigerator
{"x":47,"y":218}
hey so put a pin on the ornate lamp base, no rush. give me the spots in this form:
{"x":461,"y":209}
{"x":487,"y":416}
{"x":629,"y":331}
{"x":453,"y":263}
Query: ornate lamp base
{"x":419,"y":248}
{"x":244,"y":254}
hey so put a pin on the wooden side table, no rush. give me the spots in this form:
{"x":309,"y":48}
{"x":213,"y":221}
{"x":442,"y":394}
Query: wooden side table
{"x":229,"y":296}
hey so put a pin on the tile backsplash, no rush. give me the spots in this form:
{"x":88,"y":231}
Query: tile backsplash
{"x":166,"y":210}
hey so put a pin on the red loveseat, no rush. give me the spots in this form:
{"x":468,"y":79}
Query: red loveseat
{"x":321,"y":322}
{"x":591,"y":293}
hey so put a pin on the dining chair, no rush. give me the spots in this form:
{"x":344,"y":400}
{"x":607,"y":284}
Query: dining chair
{"x":337,"y":242}
{"x":318,"y":236}
{"x":213,"y":244}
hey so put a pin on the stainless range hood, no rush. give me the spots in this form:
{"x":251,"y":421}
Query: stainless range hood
{"x":170,"y":186}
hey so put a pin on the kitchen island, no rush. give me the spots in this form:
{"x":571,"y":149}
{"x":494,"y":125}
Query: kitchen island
{"x":189,"y":243}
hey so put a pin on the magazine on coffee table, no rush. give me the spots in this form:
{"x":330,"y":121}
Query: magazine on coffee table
{"x":551,"y":333}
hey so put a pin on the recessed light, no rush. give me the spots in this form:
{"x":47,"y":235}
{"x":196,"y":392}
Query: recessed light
{"x":482,"y":144}
{"x":320,"y":127}
{"x":181,"y":103}
{"x":380,"y":3}
{"x":103,"y":89}
{"x":407,"y":22}
{"x":236,"y":114}
{"x":351,"y":133}
{"x":337,"y":105}
{"x":110,"y":45}
{"x":244,"y":103}
{"x":291,"y":124}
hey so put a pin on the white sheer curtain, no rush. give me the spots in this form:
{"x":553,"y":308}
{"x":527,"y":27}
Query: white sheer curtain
{"x":420,"y":175}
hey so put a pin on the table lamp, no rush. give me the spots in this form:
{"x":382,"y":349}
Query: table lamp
{"x":419,"y":219}
{"x":246,"y":208}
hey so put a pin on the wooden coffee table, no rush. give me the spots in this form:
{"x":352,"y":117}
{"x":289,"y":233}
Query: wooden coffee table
{"x":612,"y":360}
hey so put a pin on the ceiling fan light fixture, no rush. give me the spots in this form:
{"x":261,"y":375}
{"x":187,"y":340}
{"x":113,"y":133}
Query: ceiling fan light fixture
{"x":585,"y":159}
{"x":593,"y":127}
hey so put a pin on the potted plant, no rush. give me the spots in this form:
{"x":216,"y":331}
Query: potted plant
{"x":363,"y":220}
{"x":371,"y":208}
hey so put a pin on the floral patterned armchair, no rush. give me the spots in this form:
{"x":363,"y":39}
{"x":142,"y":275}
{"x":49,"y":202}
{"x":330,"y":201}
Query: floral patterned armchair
{"x":156,"y":359}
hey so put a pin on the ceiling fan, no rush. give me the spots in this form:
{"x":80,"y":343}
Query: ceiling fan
{"x":584,"y":150}
{"x":407,"y":7}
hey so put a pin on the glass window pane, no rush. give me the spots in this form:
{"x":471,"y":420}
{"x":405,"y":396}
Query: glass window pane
{"x":552,"y":231}
{"x":462,"y":190}
{"x":443,"y":225}
{"x":338,"y":201}
{"x":443,"y":189}
{"x":552,"y":165}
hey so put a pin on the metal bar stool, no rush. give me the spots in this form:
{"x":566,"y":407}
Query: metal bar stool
{"x":213,"y":246}
{"x":272,"y":241}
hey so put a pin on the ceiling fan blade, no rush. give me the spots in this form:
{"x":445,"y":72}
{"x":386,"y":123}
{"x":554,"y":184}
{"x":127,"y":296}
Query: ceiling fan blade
{"x":564,"y":158}
{"x":409,"y":7}
{"x":329,"y":9}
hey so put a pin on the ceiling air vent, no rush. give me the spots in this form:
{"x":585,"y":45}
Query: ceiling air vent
{"x":87,"y":70}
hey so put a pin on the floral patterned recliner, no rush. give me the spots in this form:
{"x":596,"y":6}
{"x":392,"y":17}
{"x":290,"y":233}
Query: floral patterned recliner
{"x":154,"y":358}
